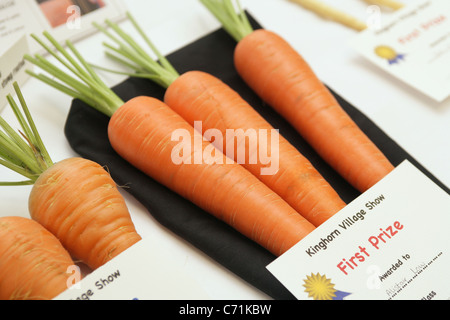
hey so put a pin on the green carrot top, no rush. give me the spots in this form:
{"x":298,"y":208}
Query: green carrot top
{"x":22,"y":152}
{"x":233,"y":18}
{"x":129,"y":53}
{"x":78,"y":80}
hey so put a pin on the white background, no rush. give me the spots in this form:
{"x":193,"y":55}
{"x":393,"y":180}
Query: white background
{"x":418,"y":124}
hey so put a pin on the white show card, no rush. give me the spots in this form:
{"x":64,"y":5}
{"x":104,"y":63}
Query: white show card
{"x":12,"y":69}
{"x":143,"y":272}
{"x":390,"y":243}
{"x":64,"y":19}
{"x":414,"y":46}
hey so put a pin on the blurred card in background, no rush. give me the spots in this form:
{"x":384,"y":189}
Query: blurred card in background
{"x":414,"y":46}
{"x":12,"y":68}
{"x":65,"y":19}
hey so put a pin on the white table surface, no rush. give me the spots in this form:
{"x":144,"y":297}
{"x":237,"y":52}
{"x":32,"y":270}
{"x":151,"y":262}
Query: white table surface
{"x":420,"y":126}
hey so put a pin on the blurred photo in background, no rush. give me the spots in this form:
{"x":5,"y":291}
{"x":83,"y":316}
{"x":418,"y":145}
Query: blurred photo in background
{"x":58,"y":12}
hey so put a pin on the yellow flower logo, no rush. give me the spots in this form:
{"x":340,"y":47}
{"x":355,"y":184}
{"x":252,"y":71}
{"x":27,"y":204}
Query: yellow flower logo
{"x":386,"y":52}
{"x":319,"y":287}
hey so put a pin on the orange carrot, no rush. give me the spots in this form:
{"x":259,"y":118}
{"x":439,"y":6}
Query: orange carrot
{"x":142,"y":132}
{"x":198,"y":96}
{"x":75,"y":199}
{"x":284,"y":80}
{"x":33,"y":263}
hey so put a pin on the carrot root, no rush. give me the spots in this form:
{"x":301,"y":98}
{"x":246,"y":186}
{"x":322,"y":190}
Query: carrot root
{"x":33,"y":263}
{"x":141,"y":132}
{"x":77,"y":200}
{"x":199,"y":96}
{"x":284,"y":80}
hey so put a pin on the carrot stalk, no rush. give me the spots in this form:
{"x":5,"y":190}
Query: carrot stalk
{"x":63,"y":193}
{"x":198,"y":96}
{"x":141,"y":131}
{"x":285,"y":81}
{"x":131,"y":54}
{"x":28,"y":155}
{"x":235,"y":23}
{"x":84,"y":85}
{"x":29,"y":127}
{"x":33,"y":263}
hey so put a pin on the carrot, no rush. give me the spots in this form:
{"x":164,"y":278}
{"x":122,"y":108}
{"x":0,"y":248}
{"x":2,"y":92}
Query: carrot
{"x":75,"y":199}
{"x":78,"y":201}
{"x":33,"y":263}
{"x":142,"y":131}
{"x":284,"y":80}
{"x":227,"y":191}
{"x":199,"y":96}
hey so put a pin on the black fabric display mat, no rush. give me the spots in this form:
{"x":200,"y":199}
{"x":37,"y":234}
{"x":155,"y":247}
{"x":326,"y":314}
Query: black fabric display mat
{"x":86,"y":131}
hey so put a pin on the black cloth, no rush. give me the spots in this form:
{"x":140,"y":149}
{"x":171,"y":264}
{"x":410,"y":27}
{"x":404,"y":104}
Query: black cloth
{"x":86,"y":131}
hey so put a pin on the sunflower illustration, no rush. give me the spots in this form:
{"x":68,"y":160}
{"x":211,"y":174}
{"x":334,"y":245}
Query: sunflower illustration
{"x":389,"y":54}
{"x":319,"y":287}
